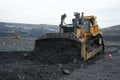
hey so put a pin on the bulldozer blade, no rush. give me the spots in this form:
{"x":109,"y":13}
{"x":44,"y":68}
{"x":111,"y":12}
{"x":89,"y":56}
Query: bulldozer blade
{"x":57,"y":50}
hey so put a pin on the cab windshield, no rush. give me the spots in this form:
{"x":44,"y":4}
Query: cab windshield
{"x":87,"y":23}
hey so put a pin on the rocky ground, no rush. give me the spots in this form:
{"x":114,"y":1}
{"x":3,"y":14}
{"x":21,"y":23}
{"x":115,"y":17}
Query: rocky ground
{"x":14,"y":65}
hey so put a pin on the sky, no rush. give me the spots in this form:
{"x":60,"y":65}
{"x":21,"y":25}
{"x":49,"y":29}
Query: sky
{"x":50,"y":11}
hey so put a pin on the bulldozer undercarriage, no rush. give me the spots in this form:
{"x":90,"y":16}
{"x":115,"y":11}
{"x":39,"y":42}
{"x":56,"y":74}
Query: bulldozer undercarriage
{"x":93,"y":46}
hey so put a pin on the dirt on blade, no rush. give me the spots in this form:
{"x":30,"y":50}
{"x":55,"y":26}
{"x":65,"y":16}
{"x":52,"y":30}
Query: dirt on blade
{"x":56,"y":51}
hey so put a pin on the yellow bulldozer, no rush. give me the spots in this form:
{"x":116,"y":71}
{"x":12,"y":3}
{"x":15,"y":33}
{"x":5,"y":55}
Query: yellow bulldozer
{"x":83,"y":32}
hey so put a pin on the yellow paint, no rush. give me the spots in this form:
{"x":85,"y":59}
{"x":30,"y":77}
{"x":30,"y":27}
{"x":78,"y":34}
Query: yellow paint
{"x":94,"y":30}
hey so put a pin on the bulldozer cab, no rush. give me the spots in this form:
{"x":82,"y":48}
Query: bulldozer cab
{"x":86,"y":24}
{"x":80,"y":24}
{"x":77,"y":23}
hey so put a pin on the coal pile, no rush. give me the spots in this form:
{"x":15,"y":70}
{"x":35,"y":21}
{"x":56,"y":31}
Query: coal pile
{"x":15,"y":67}
{"x":54,"y":51}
